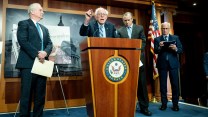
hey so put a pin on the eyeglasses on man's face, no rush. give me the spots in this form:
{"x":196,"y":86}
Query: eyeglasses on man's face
{"x":165,"y":28}
{"x":99,"y":14}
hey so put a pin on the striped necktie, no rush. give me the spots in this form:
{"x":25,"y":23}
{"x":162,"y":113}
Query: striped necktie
{"x":101,"y":31}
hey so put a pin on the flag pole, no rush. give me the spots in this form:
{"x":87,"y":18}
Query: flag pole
{"x":152,"y":33}
{"x":153,"y":100}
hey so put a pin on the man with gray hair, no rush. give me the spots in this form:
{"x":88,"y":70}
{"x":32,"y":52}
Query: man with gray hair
{"x":35,"y":42}
{"x":98,"y":27}
{"x":168,"y":47}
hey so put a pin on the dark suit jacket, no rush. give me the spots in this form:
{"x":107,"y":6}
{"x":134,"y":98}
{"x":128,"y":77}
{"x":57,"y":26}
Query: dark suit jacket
{"x":164,"y":51}
{"x":30,"y":43}
{"x":206,"y":63}
{"x":92,"y":30}
{"x":137,"y":33}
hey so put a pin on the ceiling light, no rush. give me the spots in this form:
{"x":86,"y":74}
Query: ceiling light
{"x":194,"y":4}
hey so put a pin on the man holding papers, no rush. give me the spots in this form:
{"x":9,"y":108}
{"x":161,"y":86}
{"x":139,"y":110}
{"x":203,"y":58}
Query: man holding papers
{"x":34,"y":41}
{"x":168,"y":47}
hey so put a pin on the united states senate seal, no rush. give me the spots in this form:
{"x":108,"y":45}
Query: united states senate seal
{"x":116,"y":69}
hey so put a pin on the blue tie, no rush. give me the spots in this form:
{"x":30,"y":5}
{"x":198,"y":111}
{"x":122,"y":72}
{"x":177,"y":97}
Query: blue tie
{"x":101,"y":31}
{"x":129,"y":31}
{"x":166,"y":38}
{"x":40,"y":34}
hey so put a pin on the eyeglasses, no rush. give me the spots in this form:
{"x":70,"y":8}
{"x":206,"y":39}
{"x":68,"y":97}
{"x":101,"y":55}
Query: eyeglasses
{"x":101,"y":14}
{"x":165,"y":28}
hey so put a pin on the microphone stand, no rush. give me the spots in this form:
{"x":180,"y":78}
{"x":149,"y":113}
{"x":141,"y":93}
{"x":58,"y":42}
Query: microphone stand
{"x":62,"y":89}
{"x":95,"y":32}
{"x":17,"y":108}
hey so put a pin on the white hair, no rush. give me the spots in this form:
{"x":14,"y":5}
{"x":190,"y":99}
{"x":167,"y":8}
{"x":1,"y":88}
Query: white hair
{"x":32,"y":7}
{"x":165,"y":23}
{"x":100,"y":8}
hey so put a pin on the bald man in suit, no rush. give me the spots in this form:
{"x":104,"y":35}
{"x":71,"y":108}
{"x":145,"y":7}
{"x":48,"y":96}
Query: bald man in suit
{"x":133,"y":31}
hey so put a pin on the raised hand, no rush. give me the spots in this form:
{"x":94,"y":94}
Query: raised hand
{"x":88,"y":16}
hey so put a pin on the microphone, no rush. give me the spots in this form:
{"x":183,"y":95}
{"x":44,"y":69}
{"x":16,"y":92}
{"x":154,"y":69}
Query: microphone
{"x":57,"y":70}
{"x":116,"y":34}
{"x":95,"y":32}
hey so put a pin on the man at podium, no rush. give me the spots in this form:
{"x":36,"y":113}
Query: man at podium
{"x":133,"y":31}
{"x":98,"y":27}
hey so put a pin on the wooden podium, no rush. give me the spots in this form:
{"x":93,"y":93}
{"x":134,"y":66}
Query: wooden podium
{"x":110,"y":71}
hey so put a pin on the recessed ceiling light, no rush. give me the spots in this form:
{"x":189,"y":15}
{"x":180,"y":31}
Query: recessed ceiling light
{"x":194,"y":4}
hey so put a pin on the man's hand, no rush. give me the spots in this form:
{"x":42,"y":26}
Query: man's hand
{"x":161,"y":43}
{"x":173,"y":47}
{"x":41,"y":56}
{"x":88,"y":16}
{"x":41,"y":60}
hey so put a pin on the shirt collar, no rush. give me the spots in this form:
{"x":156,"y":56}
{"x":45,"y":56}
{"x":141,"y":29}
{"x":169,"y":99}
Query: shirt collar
{"x":165,"y":36}
{"x":100,"y":25}
{"x":34,"y":22}
{"x":130,"y":26}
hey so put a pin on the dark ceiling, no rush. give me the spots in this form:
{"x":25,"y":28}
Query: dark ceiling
{"x":182,"y":5}
{"x":187,"y":5}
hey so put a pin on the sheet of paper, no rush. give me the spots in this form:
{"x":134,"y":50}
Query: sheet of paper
{"x":44,"y":69}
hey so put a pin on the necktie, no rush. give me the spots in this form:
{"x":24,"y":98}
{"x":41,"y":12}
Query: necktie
{"x":166,"y":38}
{"x":40,"y":34}
{"x":101,"y":31}
{"x":129,"y":31}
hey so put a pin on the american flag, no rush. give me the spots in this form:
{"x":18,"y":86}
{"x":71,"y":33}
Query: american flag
{"x":153,"y":33}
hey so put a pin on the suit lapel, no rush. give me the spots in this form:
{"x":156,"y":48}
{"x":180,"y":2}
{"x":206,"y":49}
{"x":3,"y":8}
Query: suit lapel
{"x":96,"y":30}
{"x":106,"y":30}
{"x":170,"y":38}
{"x":124,"y":30}
{"x":133,"y":31}
{"x":34,"y":27}
{"x":161,"y":38}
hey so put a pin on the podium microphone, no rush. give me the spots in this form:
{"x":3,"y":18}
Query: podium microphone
{"x":62,"y":90}
{"x":57,"y":70}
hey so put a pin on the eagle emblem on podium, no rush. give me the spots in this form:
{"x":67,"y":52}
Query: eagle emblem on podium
{"x":115,"y":69}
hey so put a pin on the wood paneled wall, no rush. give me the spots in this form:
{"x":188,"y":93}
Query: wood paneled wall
{"x":73,"y":85}
{"x":1,"y":8}
{"x":73,"y":88}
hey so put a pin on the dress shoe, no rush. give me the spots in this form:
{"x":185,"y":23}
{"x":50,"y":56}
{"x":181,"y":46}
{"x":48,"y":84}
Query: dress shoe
{"x":146,"y":112}
{"x":175,"y":108}
{"x":163,"y":107}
